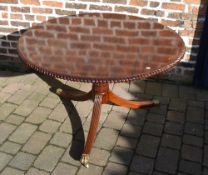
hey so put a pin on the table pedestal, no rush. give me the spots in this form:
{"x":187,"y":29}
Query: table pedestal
{"x":101,"y":94}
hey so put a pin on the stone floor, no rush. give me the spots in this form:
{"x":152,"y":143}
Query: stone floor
{"x":41,"y":134}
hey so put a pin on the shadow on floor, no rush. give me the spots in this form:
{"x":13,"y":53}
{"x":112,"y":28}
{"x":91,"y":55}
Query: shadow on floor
{"x":78,"y":139}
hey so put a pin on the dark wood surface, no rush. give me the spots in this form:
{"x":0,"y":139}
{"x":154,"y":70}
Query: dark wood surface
{"x":101,"y":48}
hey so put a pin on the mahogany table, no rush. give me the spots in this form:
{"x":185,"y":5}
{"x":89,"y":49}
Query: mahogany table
{"x":100,"y":48}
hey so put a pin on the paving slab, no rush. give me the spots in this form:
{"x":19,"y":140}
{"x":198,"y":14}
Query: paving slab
{"x":36,"y":142}
{"x":48,"y":158}
{"x":40,"y":134}
{"x":4,"y":160}
{"x":22,"y":161}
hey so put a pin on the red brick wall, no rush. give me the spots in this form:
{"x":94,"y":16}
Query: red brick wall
{"x":184,"y":16}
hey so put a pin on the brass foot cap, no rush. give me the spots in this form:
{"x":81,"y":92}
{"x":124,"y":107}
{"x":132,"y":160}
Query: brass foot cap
{"x":59,"y":91}
{"x":85,"y":160}
{"x":156,"y":102}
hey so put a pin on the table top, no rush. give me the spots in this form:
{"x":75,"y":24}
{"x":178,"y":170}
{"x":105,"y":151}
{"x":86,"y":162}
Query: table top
{"x":101,"y":48}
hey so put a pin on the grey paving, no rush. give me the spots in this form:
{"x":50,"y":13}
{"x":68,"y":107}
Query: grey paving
{"x":41,"y":134}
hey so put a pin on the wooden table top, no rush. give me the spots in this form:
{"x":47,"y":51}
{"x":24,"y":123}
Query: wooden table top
{"x":101,"y":48}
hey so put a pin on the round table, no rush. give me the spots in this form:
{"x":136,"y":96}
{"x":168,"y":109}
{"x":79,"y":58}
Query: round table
{"x":100,"y":48}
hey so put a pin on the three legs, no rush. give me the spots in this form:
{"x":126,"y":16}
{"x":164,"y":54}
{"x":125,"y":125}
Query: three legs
{"x":101,"y":94}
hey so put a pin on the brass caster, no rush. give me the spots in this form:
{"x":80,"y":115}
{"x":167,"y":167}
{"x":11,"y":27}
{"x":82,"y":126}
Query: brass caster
{"x":156,"y":102}
{"x":59,"y":91}
{"x":85,"y":160}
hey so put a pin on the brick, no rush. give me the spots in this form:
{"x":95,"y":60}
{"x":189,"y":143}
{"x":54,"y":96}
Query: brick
{"x":190,"y":167}
{"x":121,"y":155}
{"x":67,"y":127}
{"x":49,"y":126}
{"x":100,"y":8}
{"x":148,"y":145}
{"x":50,"y":102}
{"x":154,"y":4}
{"x":205,"y":160}
{"x":137,"y":87}
{"x":38,"y":115}
{"x":177,"y":105}
{"x":198,"y":104}
{"x":9,"y":1}
{"x":64,"y":12}
{"x":205,"y":171}
{"x":171,"y":141}
{"x":73,"y":153}
{"x":23,"y":132}
{"x":6,"y":109}
{"x":22,"y":161}
{"x":5,"y":130}
{"x":194,"y":129}
{"x":192,"y":1}
{"x":126,"y":9}
{"x":15,"y":119}
{"x":91,"y":170}
{"x":20,"y":9}
{"x":19,"y":96}
{"x":173,"y":6}
{"x":84,"y":108}
{"x":159,"y":173}
{"x":193,"y":140}
{"x":99,"y":157}
{"x":161,"y":109}
{"x":191,"y":153}
{"x":137,"y":3}
{"x":36,"y":142}
{"x":29,"y":17}
{"x":115,"y":120}
{"x":30,"y":2}
{"x":4,"y":160}
{"x":142,"y":165}
{"x":12,"y":171}
{"x":173,"y":128}
{"x":59,"y":113}
{"x":34,"y":171}
{"x":206,"y":137}
{"x":113,"y":168}
{"x":156,"y":118}
{"x":115,"y":1}
{"x":10,"y":147}
{"x":131,"y":131}
{"x":153,"y":128}
{"x":195,"y":115}
{"x":175,"y":116}
{"x":11,"y":88}
{"x":42,"y":10}
{"x":152,"y":12}
{"x":61,"y":139}
{"x":126,"y":142}
{"x":153,"y":88}
{"x":201,"y":95}
{"x":53,"y":4}
{"x":26,"y":108}
{"x":170,"y":90}
{"x":76,"y":6}
{"x":36,"y":97}
{"x":63,"y":168}
{"x":106,"y":139}
{"x":3,"y":95}
{"x":48,"y":158}
{"x":137,"y":117}
{"x":167,"y":155}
